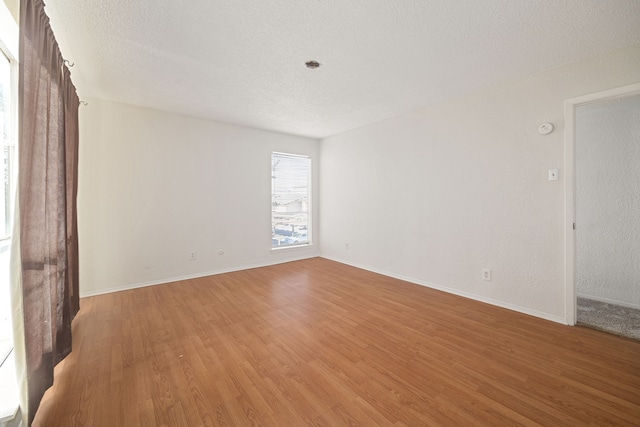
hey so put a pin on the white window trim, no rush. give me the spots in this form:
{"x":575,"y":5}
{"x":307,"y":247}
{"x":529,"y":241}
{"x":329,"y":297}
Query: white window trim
{"x":310,"y":239}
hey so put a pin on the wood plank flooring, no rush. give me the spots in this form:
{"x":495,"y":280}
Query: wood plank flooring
{"x":318,"y":343}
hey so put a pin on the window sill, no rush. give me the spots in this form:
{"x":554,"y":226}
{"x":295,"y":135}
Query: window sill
{"x":291,"y":247}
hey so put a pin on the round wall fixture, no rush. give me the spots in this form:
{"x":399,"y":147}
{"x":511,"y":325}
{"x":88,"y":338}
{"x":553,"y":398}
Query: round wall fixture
{"x":545,"y":129}
{"x":312,"y":64}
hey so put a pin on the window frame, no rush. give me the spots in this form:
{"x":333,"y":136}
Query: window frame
{"x":8,"y":203}
{"x":9,"y":48}
{"x":309,"y":202}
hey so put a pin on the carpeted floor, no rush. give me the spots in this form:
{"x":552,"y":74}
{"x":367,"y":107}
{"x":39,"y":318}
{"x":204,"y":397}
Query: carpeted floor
{"x":611,"y":318}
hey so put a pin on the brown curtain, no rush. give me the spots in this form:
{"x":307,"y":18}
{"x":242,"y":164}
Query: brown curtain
{"x":47,"y":187}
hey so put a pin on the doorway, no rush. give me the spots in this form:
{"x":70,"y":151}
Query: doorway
{"x":602,"y":205}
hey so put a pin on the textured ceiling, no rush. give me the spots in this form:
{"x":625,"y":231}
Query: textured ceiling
{"x":243,"y":61}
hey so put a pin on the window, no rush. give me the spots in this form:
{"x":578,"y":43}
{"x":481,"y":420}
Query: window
{"x":8,"y":112}
{"x":8,"y":119}
{"x":8,"y":147}
{"x":290,"y":200}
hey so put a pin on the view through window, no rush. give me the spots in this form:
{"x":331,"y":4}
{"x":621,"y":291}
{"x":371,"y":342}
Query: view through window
{"x":290,"y":196}
{"x":6,"y":196}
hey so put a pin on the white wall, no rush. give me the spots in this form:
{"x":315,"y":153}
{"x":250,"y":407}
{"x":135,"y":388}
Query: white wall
{"x":437,"y":195}
{"x":155,"y":186}
{"x":13,"y":6}
{"x":608,"y":201}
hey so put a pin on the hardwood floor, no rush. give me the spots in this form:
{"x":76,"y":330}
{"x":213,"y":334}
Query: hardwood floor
{"x":319,"y":343}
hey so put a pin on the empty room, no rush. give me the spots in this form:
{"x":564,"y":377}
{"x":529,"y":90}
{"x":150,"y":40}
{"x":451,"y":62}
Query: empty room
{"x":320,"y":213}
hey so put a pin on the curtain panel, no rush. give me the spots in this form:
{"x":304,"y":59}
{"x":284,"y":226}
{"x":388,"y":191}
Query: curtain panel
{"x":47,"y":188}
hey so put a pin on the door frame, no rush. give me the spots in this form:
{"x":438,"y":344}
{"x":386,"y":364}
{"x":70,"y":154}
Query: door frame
{"x":570,"y":106}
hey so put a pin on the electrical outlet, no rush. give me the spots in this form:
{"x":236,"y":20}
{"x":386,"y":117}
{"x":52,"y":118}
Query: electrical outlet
{"x":486,"y":274}
{"x":192,"y":256}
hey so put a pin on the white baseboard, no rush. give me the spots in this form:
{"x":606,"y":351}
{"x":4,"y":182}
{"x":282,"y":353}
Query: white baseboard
{"x":469,"y":295}
{"x":84,"y":294}
{"x":610,"y":301}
